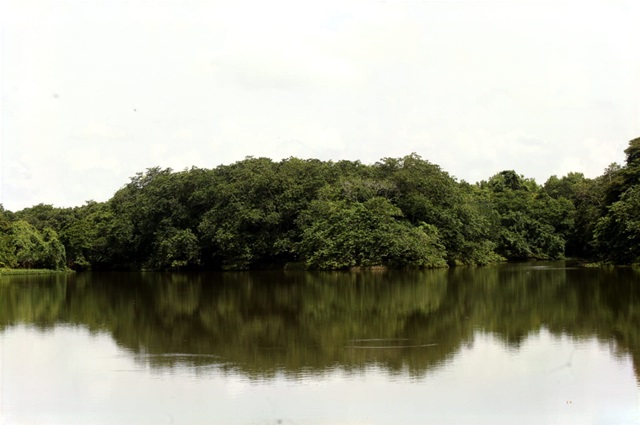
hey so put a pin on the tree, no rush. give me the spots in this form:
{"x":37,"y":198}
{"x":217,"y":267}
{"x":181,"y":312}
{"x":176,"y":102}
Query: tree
{"x":54,"y":252}
{"x":240,"y":229}
{"x":154,"y":205}
{"x":176,"y":249}
{"x":33,"y":249}
{"x":480,"y":227}
{"x":507,"y":180}
{"x":42,"y":216}
{"x":7,"y":254}
{"x":426,"y":194}
{"x":342,"y":234}
{"x":631,"y":172}
{"x":617,"y":234}
{"x":532,"y":224}
{"x":89,"y":239}
{"x":564,"y":187}
{"x":28,"y":244}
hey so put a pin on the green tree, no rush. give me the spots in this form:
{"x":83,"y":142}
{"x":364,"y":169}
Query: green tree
{"x":7,"y":254}
{"x":564,"y":187}
{"x":632,"y":170}
{"x":480,"y":227}
{"x":42,"y":216}
{"x":177,"y":249}
{"x":532,"y":224}
{"x":33,"y":249}
{"x":615,"y":181}
{"x":617,"y":234}
{"x":240,"y":229}
{"x":155,"y":205}
{"x":426,"y":194}
{"x":342,"y":234}
{"x":298,"y":182}
{"x":28,"y":243}
{"x":54,"y":251}
{"x":88,"y":239}
{"x":588,"y":199}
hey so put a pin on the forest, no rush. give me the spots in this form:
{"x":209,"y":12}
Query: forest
{"x":306,"y":213}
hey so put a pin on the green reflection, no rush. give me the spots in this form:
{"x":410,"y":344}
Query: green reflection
{"x":261,"y":323}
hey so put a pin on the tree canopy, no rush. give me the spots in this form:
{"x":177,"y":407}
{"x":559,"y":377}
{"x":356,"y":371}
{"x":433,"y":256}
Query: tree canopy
{"x":398,"y":212}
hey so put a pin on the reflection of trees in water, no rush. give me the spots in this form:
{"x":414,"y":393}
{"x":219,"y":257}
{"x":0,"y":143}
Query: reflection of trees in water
{"x":301,"y":323}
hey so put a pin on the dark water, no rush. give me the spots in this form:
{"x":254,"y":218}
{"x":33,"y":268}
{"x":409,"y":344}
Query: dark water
{"x":538,"y":344}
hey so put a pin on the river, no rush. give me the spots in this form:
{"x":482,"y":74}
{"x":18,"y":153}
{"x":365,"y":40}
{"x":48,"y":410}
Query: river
{"x":531,"y":343}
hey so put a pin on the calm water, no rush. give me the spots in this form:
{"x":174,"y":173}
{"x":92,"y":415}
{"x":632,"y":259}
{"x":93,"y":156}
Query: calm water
{"x":514,"y":344}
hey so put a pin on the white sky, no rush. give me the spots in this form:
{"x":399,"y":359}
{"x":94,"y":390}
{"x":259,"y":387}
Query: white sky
{"x":94,"y":91}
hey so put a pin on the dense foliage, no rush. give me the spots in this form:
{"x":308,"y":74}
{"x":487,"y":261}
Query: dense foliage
{"x":398,"y":212}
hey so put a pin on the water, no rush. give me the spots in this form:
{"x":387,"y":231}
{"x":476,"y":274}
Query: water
{"x":542,"y":343}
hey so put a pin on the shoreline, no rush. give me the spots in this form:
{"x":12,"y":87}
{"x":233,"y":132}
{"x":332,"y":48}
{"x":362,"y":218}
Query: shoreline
{"x":13,"y":272}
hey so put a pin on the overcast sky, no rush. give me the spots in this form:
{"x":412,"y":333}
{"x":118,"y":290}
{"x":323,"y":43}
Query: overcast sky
{"x":94,"y":91}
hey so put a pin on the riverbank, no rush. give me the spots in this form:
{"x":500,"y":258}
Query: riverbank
{"x":7,"y":272}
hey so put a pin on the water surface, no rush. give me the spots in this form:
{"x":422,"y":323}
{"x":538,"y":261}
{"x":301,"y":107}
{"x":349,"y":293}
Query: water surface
{"x":542,"y":343}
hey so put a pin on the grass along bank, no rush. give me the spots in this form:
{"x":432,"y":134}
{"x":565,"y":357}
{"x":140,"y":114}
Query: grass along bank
{"x":6,"y":271}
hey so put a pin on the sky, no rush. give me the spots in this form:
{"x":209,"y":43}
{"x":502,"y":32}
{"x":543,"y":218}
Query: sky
{"x":94,"y":91}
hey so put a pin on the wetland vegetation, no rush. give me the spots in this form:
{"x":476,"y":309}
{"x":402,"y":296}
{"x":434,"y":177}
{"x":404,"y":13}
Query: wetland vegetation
{"x":397,"y":213}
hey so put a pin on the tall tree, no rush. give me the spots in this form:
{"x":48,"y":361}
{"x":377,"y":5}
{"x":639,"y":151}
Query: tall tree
{"x":33,"y":249}
{"x":343,"y":234}
{"x":7,"y":254}
{"x":532,"y":224}
{"x":617,"y":234}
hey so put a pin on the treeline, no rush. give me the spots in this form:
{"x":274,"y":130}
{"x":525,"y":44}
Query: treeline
{"x":398,"y":212}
